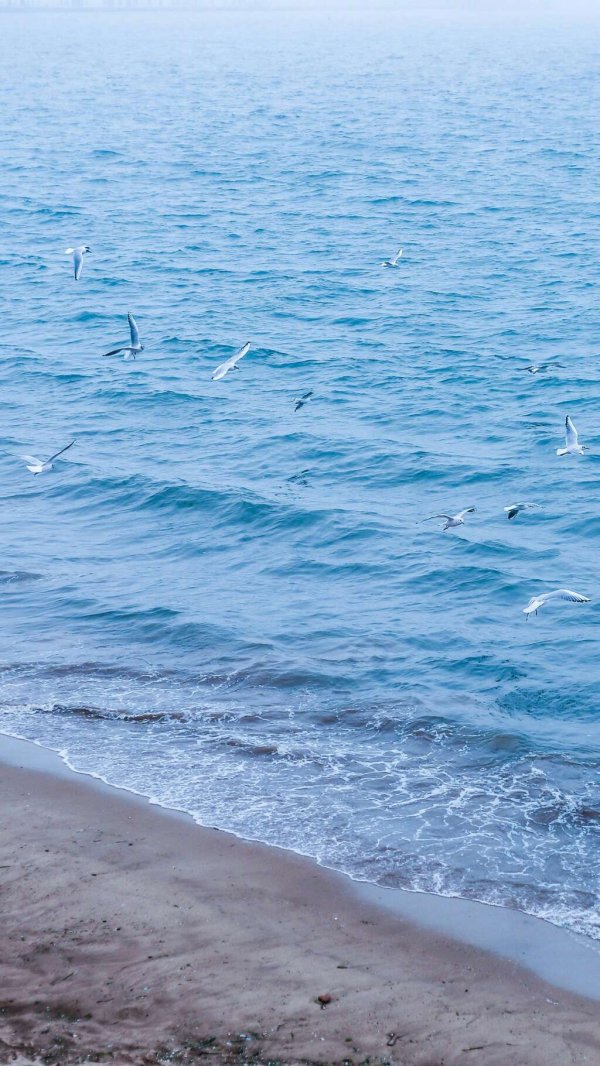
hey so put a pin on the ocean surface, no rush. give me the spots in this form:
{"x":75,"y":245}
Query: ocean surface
{"x":234,"y":607}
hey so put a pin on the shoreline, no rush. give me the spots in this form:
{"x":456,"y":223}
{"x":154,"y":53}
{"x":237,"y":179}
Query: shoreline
{"x":127,"y":926}
{"x":557,"y":955}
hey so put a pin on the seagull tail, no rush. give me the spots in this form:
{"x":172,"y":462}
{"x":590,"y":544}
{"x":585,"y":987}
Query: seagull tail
{"x":562,"y":451}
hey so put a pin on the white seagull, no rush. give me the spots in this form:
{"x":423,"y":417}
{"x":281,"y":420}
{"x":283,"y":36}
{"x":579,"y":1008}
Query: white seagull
{"x":394,"y":261}
{"x":303,"y":399}
{"x":558,"y":594}
{"x":78,"y":254}
{"x":231,"y":363}
{"x":514,"y":508}
{"x":452,"y":520}
{"x":41,"y":466}
{"x":572,"y":445}
{"x":129,"y":350}
{"x":535,"y":368}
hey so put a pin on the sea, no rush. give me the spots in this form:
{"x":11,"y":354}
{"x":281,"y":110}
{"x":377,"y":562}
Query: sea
{"x":241,"y":609}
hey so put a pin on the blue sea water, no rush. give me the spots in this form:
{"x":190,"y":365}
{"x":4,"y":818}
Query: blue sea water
{"x":236,"y":608}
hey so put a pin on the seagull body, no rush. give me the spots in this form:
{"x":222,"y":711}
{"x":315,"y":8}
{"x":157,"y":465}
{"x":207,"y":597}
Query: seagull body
{"x":536,"y":367}
{"x":394,"y":261}
{"x":572,"y":445}
{"x":452,"y":520}
{"x":558,"y":594}
{"x":231,"y":363}
{"x":514,"y":508}
{"x":303,"y":399}
{"x":129,"y":350}
{"x":41,"y":466}
{"x":78,"y":254}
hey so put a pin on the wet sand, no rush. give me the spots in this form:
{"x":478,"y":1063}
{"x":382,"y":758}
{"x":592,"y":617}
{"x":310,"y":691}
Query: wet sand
{"x":130,"y":935}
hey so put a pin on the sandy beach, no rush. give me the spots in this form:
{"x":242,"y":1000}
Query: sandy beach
{"x":130,"y":935}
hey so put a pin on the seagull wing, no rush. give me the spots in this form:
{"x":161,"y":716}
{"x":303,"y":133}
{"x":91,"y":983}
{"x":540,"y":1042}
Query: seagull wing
{"x":467,"y":510}
{"x":448,"y":517}
{"x":56,"y":454}
{"x":32,"y":459}
{"x":570,"y":433}
{"x":397,"y":256}
{"x":135,"y":335}
{"x":240,"y":354}
{"x":230,"y":363}
{"x":512,"y":512}
{"x":222,"y":370}
{"x":115,"y":351}
{"x":566,"y":594}
{"x":77,"y":263}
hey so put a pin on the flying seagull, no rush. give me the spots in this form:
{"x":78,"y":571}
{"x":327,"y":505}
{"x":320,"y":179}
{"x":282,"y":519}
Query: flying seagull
{"x":393,"y":262}
{"x":536,"y":367}
{"x":129,"y":350}
{"x":572,"y":445}
{"x":303,"y":399}
{"x":452,"y":520}
{"x":78,"y":254}
{"x":231,"y":363}
{"x":514,"y":508}
{"x":40,"y":466}
{"x":558,"y":594}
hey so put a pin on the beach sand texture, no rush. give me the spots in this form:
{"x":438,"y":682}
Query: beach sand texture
{"x":131,"y":935}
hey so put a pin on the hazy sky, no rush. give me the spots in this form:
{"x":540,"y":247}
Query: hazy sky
{"x":527,"y":12}
{"x":413,"y":7}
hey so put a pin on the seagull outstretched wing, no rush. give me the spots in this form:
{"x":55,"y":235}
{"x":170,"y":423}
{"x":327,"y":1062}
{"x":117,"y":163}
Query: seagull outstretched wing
{"x":566,"y":594}
{"x":56,"y":454}
{"x":135,"y":334}
{"x":77,"y":263}
{"x":570,"y":433}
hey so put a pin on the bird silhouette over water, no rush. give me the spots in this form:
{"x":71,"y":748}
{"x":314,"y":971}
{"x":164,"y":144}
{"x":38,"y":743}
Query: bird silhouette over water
{"x":129,"y":350}
{"x":548,"y":597}
{"x":572,"y":445}
{"x":452,"y":520}
{"x":231,"y":363}
{"x":304,"y":399}
{"x":41,"y":466}
{"x":393,"y":262}
{"x":78,"y":254}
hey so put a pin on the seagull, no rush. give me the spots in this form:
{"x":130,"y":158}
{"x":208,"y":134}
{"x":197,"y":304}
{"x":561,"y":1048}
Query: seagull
{"x":300,"y":477}
{"x":78,"y":254}
{"x":452,"y":520}
{"x":513,"y":510}
{"x":129,"y":350}
{"x":231,"y":363}
{"x":536,"y":367}
{"x":572,"y":445}
{"x":558,"y":594}
{"x":40,"y":466}
{"x":303,"y":399}
{"x":394,"y":261}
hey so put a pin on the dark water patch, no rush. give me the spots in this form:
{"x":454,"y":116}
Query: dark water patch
{"x":104,"y":713}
